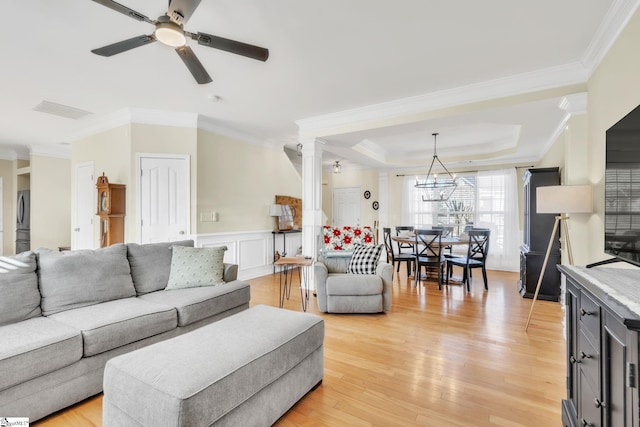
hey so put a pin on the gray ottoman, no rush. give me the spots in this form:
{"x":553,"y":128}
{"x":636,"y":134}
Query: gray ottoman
{"x":245,"y":370}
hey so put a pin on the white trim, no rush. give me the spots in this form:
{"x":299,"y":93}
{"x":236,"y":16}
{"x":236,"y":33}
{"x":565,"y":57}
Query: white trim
{"x":610,"y":28}
{"x":139,"y":157}
{"x":246,"y":247}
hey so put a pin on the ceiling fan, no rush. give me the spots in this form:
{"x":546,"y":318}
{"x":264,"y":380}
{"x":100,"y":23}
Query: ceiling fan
{"x":169,"y":30}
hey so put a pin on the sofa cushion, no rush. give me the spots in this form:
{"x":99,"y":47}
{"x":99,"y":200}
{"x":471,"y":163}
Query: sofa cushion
{"x":19,"y":294}
{"x":150,"y":264}
{"x":73,"y":279}
{"x":194,"y":267}
{"x":35,"y":347}
{"x":364,"y":259}
{"x":354,"y":284}
{"x":194,"y":304}
{"x":116,"y":323}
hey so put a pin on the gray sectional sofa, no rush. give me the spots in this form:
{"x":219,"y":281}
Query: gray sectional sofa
{"x":65,"y":314}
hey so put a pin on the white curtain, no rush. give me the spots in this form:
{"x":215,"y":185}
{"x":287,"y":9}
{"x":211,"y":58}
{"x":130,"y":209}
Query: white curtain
{"x":414,"y":211}
{"x":497,"y":209}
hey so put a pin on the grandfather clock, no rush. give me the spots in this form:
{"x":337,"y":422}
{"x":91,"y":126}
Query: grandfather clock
{"x":111,"y":209}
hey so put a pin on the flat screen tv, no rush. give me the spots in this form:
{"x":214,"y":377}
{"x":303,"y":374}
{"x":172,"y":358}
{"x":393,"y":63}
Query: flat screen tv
{"x":622,"y":189}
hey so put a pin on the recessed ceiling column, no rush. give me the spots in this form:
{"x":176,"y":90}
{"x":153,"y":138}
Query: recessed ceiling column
{"x":311,"y":195}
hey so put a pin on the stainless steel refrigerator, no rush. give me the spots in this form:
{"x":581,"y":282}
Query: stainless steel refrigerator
{"x":23,"y":210}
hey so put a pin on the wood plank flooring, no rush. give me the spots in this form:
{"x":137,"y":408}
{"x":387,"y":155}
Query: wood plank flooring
{"x":438,"y":358}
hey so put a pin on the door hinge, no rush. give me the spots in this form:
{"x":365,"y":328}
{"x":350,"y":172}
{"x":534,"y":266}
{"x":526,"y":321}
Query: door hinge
{"x":631,"y":375}
{"x":142,"y":222}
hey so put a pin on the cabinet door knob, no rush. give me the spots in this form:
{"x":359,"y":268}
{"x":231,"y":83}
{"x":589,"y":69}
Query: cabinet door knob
{"x":584,"y":423}
{"x":573,"y":360}
{"x":584,"y":355}
{"x":584,"y":312}
{"x":597,"y":403}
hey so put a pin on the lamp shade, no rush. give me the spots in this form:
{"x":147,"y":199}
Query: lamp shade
{"x":564,"y":199}
{"x":275,"y":210}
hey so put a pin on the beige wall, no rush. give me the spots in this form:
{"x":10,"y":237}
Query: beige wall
{"x":50,"y":202}
{"x":109,"y":151}
{"x":239,"y":181}
{"x":614,"y":90}
{"x":366,"y":179}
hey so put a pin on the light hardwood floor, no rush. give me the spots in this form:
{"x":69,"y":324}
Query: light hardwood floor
{"x":438,"y":358}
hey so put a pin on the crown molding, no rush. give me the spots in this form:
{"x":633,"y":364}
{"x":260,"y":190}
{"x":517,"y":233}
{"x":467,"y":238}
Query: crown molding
{"x":128,"y":116}
{"x":549,"y":78}
{"x":48,"y":150}
{"x":213,"y":126}
{"x":574,"y":104}
{"x":612,"y":25}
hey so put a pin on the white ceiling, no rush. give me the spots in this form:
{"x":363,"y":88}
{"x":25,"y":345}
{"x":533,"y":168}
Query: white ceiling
{"x":415,"y":66}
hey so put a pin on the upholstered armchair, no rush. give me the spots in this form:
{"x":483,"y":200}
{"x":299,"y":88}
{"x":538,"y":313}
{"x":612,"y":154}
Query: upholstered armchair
{"x":341,"y":292}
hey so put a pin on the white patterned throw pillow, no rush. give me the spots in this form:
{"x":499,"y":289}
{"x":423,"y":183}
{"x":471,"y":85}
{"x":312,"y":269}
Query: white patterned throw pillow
{"x":364,"y":259}
{"x":195,"y":267}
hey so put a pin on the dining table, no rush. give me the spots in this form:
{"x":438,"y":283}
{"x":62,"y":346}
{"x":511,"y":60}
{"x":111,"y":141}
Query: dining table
{"x":410,"y":238}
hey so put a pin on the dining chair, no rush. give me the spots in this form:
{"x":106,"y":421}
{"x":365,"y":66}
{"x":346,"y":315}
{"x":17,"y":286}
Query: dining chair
{"x":404,"y":229}
{"x":399,"y":258}
{"x":477,"y":252}
{"x":429,"y":253}
{"x":447,"y":231}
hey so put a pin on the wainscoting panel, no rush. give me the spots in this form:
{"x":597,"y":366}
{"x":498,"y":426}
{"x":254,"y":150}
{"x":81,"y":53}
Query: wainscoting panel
{"x":251,"y":250}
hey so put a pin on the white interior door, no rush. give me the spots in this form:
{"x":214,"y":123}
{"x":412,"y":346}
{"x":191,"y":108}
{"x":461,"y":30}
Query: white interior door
{"x":346,"y":207}
{"x":85,"y":211}
{"x":164,"y":198}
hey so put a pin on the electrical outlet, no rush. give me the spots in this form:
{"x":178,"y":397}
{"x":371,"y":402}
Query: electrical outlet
{"x":206,"y":217}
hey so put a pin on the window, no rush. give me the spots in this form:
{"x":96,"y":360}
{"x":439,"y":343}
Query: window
{"x":486,"y":199}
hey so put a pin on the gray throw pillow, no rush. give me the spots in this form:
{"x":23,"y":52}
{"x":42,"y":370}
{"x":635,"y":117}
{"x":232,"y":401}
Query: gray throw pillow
{"x":150,"y":264}
{"x":19,"y":294}
{"x":194,"y":267}
{"x":73,"y":279}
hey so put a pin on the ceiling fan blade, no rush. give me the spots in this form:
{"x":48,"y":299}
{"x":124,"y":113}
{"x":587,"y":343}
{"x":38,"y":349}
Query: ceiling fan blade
{"x":181,"y":10}
{"x":123,"y":46}
{"x":233,"y":46}
{"x":193,"y":64}
{"x":125,"y":10}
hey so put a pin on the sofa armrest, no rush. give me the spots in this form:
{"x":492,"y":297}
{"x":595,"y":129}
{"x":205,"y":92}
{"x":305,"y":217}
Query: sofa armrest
{"x":385,"y":271}
{"x":230,"y":272}
{"x":320,"y":274}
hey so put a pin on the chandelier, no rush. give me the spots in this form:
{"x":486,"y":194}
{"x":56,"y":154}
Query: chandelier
{"x":437,"y":189}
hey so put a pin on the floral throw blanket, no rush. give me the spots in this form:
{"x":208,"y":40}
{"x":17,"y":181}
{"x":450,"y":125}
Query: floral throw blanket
{"x":345,"y":238}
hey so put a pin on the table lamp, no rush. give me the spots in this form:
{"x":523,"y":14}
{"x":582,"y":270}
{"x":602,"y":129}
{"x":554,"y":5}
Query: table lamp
{"x":276,"y":211}
{"x":563,"y":199}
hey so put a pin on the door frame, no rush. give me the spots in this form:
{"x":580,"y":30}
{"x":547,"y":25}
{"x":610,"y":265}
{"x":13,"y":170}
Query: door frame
{"x":357,"y":189}
{"x":74,"y":219}
{"x":139,"y":158}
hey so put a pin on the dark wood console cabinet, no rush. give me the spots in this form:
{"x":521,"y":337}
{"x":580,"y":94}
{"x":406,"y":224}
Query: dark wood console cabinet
{"x":602,"y":347}
{"x":537,"y":231}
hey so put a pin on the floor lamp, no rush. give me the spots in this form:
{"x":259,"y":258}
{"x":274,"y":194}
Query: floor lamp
{"x":560,"y":198}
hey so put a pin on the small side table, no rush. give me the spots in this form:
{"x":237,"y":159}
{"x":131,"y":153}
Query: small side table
{"x":287,"y":266}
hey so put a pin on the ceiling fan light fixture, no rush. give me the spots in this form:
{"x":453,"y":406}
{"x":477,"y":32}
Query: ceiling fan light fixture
{"x":170,"y":34}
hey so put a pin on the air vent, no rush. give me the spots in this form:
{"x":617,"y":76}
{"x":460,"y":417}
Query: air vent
{"x":61,"y":110}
